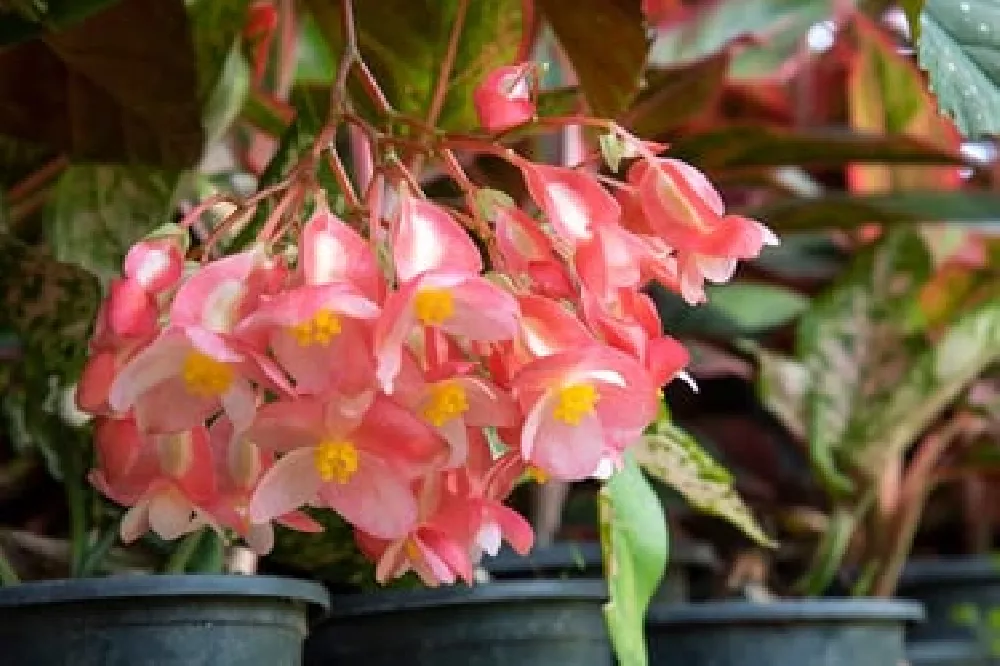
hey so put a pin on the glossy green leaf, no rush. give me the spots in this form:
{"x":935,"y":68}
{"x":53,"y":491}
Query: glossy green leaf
{"x":960,"y":49}
{"x":857,"y":343}
{"x":783,"y":384}
{"x":120,"y":86}
{"x":755,"y":146}
{"x":757,"y":307}
{"x":404,"y":43}
{"x":97,"y":212}
{"x":838,"y":210}
{"x":634,"y":544}
{"x":675,"y":458}
{"x":605,"y":42}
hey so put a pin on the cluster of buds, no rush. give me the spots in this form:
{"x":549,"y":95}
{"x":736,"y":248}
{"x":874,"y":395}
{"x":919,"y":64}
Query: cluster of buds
{"x":404,"y":376}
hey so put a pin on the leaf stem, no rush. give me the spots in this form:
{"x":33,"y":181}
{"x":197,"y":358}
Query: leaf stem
{"x":8,"y":576}
{"x":447,"y":64}
{"x":179,"y":559}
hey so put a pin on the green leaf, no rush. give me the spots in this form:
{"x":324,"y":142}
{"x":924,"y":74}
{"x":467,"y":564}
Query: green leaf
{"x":912,"y":9}
{"x":119,"y":86}
{"x":223,"y":73}
{"x":404,"y":43}
{"x":757,"y":307}
{"x":932,"y":382}
{"x":97,"y":212}
{"x":19,"y":158}
{"x":606,"y":43}
{"x":634,"y":545}
{"x":857,"y":343}
{"x":748,"y":146}
{"x":675,"y":458}
{"x":776,"y":28}
{"x":783,"y":384}
{"x":36,"y":18}
{"x":960,"y":49}
{"x":841,"y":210}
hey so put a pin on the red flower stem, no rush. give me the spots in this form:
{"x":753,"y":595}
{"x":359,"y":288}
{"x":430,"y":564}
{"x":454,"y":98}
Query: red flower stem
{"x":37,"y":179}
{"x":432,"y":357}
{"x":199,"y":209}
{"x":340,"y":174}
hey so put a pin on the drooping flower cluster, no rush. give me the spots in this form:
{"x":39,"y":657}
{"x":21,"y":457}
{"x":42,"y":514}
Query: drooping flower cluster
{"x":398,"y":379}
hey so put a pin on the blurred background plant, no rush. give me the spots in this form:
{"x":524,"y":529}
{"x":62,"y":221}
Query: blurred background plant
{"x":870,"y":332}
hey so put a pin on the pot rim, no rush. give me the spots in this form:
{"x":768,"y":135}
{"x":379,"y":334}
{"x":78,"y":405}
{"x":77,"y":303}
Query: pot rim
{"x":144,"y":586}
{"x":792,"y":610}
{"x":584,"y":555}
{"x":963,"y":568}
{"x":499,"y":592}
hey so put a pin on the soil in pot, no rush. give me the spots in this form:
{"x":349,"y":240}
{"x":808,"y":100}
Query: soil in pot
{"x":186,"y":620}
{"x":519,"y":623}
{"x":822,"y":632}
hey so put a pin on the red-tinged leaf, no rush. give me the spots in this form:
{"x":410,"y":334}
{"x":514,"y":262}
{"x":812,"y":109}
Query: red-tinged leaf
{"x":606,"y":43}
{"x":119,"y":86}
{"x":747,"y":146}
{"x":674,"y":96}
{"x":887,"y":95}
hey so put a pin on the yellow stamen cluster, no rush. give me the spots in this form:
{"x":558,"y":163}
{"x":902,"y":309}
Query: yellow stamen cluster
{"x":574,"y":402}
{"x":206,"y":377}
{"x":434,"y":307}
{"x":320,"y":330}
{"x":446,"y":401}
{"x":536,"y":474}
{"x":336,"y":460}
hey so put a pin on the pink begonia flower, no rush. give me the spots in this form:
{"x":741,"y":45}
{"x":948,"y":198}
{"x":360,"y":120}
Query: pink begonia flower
{"x":438,"y":267}
{"x":452,"y":400}
{"x":334,"y":253}
{"x":164,"y":479}
{"x":584,"y":407}
{"x":632,"y":325}
{"x":155,"y":264}
{"x":358,"y":462}
{"x":686,"y":211}
{"x":548,"y":327}
{"x":504,"y":99}
{"x":182,"y":378}
{"x":528,"y":252}
{"x":239,"y":465}
{"x":131,"y":310}
{"x":573,"y":201}
{"x":319,"y":334}
{"x":461,"y":516}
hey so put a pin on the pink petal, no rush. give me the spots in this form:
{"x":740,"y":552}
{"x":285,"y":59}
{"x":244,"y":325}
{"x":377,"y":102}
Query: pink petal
{"x":567,"y":452}
{"x":135,"y":523}
{"x":483,"y":311}
{"x":573,"y":201}
{"x":427,"y":238}
{"x":548,"y":327}
{"x":288,"y":424}
{"x":376,"y":499}
{"x":393,"y":432}
{"x":391,"y":331}
{"x":503,"y":99}
{"x":260,"y":538}
{"x":449,"y":552}
{"x":488,"y":405}
{"x":211,"y":298}
{"x":155,"y":264}
{"x":95,"y":382}
{"x":171,"y":515}
{"x":299,"y":521}
{"x":455,"y":433}
{"x":333,"y":252}
{"x":289,"y":485}
{"x":515,"y":529}
{"x":131,"y":310}
{"x":665,"y":357}
{"x":155,"y":364}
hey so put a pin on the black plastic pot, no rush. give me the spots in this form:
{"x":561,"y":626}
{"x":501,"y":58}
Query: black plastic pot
{"x":962,"y":598}
{"x":688,"y":576}
{"x":517,"y":623}
{"x":821,"y":632}
{"x":186,"y":620}
{"x":946,"y":653}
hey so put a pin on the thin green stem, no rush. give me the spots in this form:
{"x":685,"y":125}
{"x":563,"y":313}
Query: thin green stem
{"x":96,"y":555}
{"x":187,"y":547}
{"x":8,"y":576}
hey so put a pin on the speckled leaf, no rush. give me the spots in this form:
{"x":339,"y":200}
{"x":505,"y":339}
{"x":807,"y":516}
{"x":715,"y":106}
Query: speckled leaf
{"x":857,"y":343}
{"x":634,"y":545}
{"x":960,"y":49}
{"x":99,"y":211}
{"x":675,"y":458}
